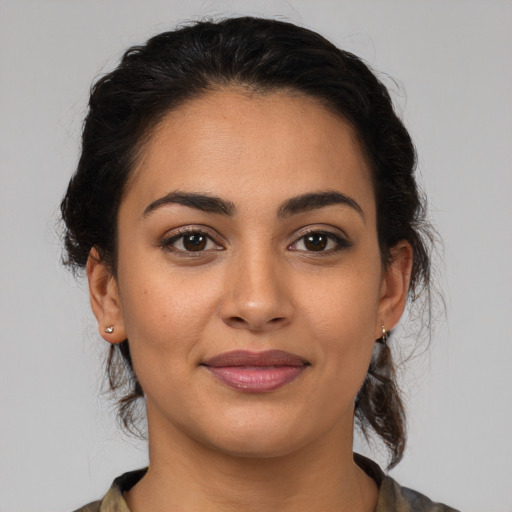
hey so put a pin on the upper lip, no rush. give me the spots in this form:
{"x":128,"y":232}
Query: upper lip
{"x":248,"y":358}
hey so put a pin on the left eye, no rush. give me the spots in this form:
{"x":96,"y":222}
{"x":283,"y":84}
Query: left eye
{"x":319,"y":242}
{"x":194,"y":241}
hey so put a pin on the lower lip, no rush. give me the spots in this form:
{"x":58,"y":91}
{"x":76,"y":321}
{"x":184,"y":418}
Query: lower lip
{"x":256,"y":379}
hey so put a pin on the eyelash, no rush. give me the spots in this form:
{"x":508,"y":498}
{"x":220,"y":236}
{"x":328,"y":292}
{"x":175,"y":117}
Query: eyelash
{"x":167,"y":243}
{"x":340,"y":242}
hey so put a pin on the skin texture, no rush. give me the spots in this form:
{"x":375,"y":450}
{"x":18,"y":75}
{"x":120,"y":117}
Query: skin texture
{"x":256,"y":286}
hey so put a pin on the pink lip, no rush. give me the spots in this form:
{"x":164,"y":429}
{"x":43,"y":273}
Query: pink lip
{"x":256,"y":372}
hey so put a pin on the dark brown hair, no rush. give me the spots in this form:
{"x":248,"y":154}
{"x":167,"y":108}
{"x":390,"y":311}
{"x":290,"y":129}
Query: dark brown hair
{"x":262,"y":55}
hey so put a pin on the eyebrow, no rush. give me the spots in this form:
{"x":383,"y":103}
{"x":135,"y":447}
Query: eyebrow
{"x":199,"y":201}
{"x":293,"y":206}
{"x":315,"y":201}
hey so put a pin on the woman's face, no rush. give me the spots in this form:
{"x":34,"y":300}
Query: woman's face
{"x":249,"y":281}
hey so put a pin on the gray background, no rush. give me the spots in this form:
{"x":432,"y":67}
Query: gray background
{"x":59,"y":445}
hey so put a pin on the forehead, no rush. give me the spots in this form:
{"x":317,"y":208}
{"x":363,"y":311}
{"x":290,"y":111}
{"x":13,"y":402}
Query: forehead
{"x":232,"y":141}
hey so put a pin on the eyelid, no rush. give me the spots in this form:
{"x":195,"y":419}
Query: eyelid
{"x":336,"y":234}
{"x":171,"y":236}
{"x":327,"y":229}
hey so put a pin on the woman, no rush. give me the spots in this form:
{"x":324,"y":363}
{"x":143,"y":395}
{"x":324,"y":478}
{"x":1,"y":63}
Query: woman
{"x":246,"y":211}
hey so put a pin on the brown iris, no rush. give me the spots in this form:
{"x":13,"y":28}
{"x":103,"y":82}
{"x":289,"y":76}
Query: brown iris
{"x":194,"y":242}
{"x":315,"y":242}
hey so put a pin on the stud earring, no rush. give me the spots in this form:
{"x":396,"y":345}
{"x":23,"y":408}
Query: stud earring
{"x":109,"y":329}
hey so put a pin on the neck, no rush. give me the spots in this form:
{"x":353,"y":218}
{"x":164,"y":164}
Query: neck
{"x":184,"y":474}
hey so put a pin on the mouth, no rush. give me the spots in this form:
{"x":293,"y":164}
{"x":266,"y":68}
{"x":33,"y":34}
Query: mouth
{"x":256,"y":372}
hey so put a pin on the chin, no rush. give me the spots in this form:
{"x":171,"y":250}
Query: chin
{"x":257,"y":446}
{"x":257,"y":438}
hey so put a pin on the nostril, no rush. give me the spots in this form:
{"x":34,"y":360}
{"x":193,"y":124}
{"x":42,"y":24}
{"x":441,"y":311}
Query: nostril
{"x":255,"y":321}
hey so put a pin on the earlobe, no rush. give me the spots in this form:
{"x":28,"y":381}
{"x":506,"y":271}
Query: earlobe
{"x":394,"y":287}
{"x":104,"y":297}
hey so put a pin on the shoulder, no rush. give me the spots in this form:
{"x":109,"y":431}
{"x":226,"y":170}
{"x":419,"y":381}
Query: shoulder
{"x":394,"y":497}
{"x":91,"y":507}
{"x":113,"y":500}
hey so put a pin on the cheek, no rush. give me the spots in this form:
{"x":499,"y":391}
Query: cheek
{"x":345,"y":330}
{"x":345,"y":301}
{"x":342,"y":316}
{"x":164,"y":314}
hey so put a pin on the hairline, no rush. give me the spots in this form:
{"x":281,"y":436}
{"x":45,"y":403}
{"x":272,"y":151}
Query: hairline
{"x":156,"y":121}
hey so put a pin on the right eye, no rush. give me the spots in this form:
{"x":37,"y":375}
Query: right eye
{"x":191,"y":242}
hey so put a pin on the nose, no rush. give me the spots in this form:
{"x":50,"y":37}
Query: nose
{"x":257,"y":297}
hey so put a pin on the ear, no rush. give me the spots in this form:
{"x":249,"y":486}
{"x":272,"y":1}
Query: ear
{"x":394,"y":287}
{"x":104,"y":297}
